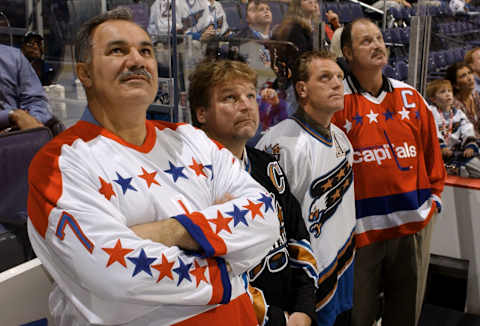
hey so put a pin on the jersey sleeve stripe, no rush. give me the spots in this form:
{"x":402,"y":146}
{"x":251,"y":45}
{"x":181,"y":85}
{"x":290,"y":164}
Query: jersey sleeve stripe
{"x":368,"y":237}
{"x":221,"y":286}
{"x":237,"y":313}
{"x":387,"y":204}
{"x":198,"y":227}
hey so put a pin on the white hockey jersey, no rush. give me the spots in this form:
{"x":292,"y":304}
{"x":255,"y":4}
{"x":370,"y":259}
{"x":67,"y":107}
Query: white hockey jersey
{"x":88,"y":186}
{"x":192,"y":16}
{"x":455,"y":130}
{"x":320,"y":174}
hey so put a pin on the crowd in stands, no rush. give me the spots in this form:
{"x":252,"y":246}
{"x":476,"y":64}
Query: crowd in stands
{"x":324,"y":120}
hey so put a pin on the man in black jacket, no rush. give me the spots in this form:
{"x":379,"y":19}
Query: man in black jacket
{"x":223,"y":102}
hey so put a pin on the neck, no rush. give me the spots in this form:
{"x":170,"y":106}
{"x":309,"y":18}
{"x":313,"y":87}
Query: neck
{"x":370,"y":80}
{"x":264,"y":29}
{"x":122,"y":121}
{"x":446,"y":109}
{"x":323,"y":118}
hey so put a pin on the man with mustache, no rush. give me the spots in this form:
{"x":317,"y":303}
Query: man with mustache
{"x":317,"y":159}
{"x":399,"y":177}
{"x":223,"y":104}
{"x":113,"y":177}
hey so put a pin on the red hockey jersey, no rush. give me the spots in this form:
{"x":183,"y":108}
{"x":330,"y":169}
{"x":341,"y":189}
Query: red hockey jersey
{"x":398,"y":167}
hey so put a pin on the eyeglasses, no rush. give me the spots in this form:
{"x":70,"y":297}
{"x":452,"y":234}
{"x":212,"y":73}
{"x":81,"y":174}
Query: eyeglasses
{"x":275,"y":262}
{"x":33,"y":43}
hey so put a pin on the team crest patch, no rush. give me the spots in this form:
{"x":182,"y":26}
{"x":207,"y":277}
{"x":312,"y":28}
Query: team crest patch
{"x":274,"y":150}
{"x":327,"y":192}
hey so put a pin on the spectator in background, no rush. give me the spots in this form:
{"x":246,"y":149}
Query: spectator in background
{"x":399,"y":177}
{"x":457,"y":135}
{"x":259,"y":21}
{"x":203,"y":19}
{"x":23,"y":102}
{"x":223,"y":104}
{"x":32,"y":49}
{"x":472,"y":59}
{"x":467,"y":98}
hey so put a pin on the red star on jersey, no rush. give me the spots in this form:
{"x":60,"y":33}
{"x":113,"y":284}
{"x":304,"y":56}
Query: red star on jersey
{"x":165,"y":268}
{"x":221,"y":222}
{"x":106,"y":189}
{"x":254,"y":209}
{"x":199,"y":273}
{"x":117,"y":254}
{"x":149,"y":177}
{"x":197,"y":167}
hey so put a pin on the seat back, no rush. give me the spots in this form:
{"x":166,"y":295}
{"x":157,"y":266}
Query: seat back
{"x":16,"y":152}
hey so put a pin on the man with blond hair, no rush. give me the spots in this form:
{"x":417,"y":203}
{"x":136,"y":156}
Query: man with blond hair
{"x":223,"y":104}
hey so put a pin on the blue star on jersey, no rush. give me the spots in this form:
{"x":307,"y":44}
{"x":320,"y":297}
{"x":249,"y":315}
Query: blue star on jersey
{"x":358,"y":119}
{"x":238,"y":215}
{"x":176,"y":172}
{"x":267,"y":201}
{"x":125,"y":183}
{"x":210,"y":167}
{"x":183,"y":271}
{"x":388,"y":115}
{"x":142,"y":263}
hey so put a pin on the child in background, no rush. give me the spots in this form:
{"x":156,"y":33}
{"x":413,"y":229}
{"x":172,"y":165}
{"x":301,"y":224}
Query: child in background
{"x":456,"y":133}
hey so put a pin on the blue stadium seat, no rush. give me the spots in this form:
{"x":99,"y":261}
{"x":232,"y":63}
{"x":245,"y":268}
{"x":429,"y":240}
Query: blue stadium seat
{"x":402,"y":69}
{"x":356,"y":10}
{"x":389,"y":71}
{"x":387,"y":36}
{"x":17,"y":150}
{"x":234,"y":19}
{"x":395,"y":34}
{"x":277,"y":13}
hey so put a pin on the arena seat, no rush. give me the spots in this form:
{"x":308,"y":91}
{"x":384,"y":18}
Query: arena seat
{"x":277,"y":12}
{"x":17,"y":150}
{"x":234,"y":19}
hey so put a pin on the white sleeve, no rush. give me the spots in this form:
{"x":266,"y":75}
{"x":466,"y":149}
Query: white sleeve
{"x":241,"y":230}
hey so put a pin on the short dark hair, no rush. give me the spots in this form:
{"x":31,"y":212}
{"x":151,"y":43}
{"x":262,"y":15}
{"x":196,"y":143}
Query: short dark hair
{"x":346,"y":36}
{"x":451,"y":73}
{"x":257,"y":2}
{"x":211,"y":73}
{"x":301,"y":69}
{"x":83,"y":42}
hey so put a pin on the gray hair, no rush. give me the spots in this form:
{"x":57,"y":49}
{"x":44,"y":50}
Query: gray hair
{"x":83,"y":42}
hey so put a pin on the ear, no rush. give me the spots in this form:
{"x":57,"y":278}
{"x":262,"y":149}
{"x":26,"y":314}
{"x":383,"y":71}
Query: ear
{"x":201,"y":113}
{"x":83,"y":74}
{"x":301,"y":89}
{"x":347,"y":53}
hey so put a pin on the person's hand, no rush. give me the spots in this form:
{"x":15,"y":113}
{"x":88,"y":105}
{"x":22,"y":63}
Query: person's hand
{"x":299,"y":319}
{"x":270,"y":96}
{"x":468,"y":152}
{"x":332,"y":18}
{"x":446,"y":152}
{"x":23,"y":120}
{"x":226,"y":197}
{"x":208,"y":33}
